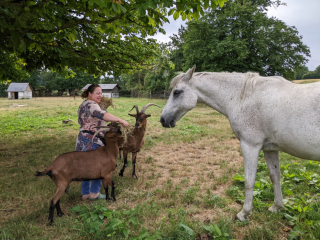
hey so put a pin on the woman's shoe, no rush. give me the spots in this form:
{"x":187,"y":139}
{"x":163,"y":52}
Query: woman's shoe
{"x":85,"y":197}
{"x":100,"y":196}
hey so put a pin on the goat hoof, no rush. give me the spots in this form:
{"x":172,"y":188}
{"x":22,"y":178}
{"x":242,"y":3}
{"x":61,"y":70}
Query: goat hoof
{"x":133,"y":175}
{"x":60,"y":214}
{"x":121,"y":174}
{"x":51,"y":222}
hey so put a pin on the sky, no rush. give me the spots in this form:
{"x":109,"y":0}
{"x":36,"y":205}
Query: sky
{"x":303,"y":14}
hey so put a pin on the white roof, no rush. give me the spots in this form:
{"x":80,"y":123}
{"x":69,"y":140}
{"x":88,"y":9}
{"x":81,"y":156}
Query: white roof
{"x":17,"y":87}
{"x":103,"y":86}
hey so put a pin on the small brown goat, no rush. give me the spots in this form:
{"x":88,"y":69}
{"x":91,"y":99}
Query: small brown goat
{"x":136,"y":138}
{"x":84,"y":166}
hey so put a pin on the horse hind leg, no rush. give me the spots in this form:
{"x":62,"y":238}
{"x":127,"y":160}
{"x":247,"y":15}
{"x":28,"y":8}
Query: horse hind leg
{"x":272,"y":159}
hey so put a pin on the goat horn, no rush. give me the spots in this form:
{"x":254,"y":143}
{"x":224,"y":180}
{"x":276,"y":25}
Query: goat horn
{"x":105,"y":129}
{"x":135,"y":106}
{"x":144,"y":108}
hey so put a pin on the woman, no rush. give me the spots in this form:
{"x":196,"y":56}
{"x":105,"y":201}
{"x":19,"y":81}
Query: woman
{"x":91,"y":115}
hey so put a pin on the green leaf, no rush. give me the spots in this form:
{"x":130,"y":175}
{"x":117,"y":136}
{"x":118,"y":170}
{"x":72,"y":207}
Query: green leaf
{"x":217,"y":229}
{"x":221,"y":3}
{"x":299,"y":208}
{"x":213,"y":5}
{"x":151,"y":22}
{"x":171,"y":12}
{"x":142,"y":11}
{"x":187,"y":229}
{"x":206,"y":4}
{"x":176,"y":15}
{"x":122,"y":8}
{"x":115,"y":7}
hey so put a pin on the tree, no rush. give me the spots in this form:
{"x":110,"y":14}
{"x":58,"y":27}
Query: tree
{"x":312,"y":74}
{"x":240,"y":37}
{"x":89,"y":35}
{"x":300,"y":74}
{"x":176,"y":44}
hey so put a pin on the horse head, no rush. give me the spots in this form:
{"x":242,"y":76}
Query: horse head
{"x":182,"y":99}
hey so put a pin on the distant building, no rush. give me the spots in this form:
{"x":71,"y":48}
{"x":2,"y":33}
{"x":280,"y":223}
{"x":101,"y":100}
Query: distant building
{"x":108,"y":90}
{"x":19,"y":90}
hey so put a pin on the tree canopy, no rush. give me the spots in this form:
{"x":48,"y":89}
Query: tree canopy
{"x":95,"y":36}
{"x":240,"y":37}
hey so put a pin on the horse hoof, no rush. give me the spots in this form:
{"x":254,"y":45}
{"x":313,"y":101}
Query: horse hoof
{"x":240,"y":216}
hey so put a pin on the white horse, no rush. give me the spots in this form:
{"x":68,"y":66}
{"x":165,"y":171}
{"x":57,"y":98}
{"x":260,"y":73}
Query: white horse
{"x":265,"y":113}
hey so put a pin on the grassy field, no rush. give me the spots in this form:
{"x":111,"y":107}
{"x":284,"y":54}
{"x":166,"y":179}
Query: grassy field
{"x":190,"y":182}
{"x":306,"y":81}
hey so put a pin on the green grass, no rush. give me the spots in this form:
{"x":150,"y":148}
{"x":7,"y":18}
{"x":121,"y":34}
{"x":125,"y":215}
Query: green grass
{"x":179,"y":195}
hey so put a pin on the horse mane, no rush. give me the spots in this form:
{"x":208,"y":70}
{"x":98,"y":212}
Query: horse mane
{"x":248,"y":86}
{"x":177,"y":78}
{"x":250,"y":81}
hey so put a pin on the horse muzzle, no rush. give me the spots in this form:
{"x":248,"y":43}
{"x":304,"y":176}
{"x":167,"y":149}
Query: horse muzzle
{"x":167,"y":123}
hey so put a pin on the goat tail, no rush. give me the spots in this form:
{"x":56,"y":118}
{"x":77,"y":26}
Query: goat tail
{"x":40,"y":174}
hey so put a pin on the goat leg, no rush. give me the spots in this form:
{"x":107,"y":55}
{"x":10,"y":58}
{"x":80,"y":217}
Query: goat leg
{"x":112,"y":191}
{"x":134,"y":165}
{"x":67,"y":189}
{"x":59,"y":212}
{"x":55,"y":200}
{"x":51,"y":211}
{"x":120,"y":153}
{"x":107,"y":194}
{"x":125,"y":163}
{"x":105,"y":181}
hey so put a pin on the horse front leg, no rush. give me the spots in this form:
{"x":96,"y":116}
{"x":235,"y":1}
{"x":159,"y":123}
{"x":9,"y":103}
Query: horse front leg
{"x":272,"y":159}
{"x":250,"y":156}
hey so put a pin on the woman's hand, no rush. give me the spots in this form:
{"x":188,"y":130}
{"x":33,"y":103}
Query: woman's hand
{"x":124,"y":123}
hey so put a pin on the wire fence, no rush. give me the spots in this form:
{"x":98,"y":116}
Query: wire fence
{"x":162,"y":94}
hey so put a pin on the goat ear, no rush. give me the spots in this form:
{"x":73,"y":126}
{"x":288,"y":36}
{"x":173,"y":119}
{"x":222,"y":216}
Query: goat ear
{"x":133,"y":115}
{"x":147,"y":115}
{"x":189,"y":73}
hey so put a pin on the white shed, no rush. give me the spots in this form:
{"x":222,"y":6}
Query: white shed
{"x":19,"y":90}
{"x":108,"y":90}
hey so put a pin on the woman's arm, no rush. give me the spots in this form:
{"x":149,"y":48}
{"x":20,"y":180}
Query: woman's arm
{"x":110,"y":118}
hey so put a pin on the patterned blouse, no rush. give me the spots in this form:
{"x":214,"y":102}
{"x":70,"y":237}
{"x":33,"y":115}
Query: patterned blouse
{"x":90,"y":115}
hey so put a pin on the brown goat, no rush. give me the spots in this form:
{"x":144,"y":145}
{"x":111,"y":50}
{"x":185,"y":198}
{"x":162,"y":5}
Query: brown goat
{"x":84,"y":166}
{"x":136,"y":138}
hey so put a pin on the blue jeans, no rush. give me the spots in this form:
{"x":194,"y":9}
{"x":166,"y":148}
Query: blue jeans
{"x":86,"y":186}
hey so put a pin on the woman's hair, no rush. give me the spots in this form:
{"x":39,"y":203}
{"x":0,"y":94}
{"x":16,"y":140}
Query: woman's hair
{"x":90,"y":89}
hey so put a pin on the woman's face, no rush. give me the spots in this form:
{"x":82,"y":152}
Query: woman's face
{"x":96,"y":95}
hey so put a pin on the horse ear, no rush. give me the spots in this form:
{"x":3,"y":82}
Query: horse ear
{"x":189,"y":74}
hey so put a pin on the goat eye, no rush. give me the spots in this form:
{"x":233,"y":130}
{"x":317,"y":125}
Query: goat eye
{"x":176,"y":93}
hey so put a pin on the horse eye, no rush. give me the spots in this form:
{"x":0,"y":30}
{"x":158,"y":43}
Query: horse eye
{"x":176,"y":93}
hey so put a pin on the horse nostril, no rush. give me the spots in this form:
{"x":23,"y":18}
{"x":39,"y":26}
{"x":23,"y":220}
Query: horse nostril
{"x":162,"y":120}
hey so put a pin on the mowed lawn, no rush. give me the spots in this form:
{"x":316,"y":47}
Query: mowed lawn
{"x":190,"y":183}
